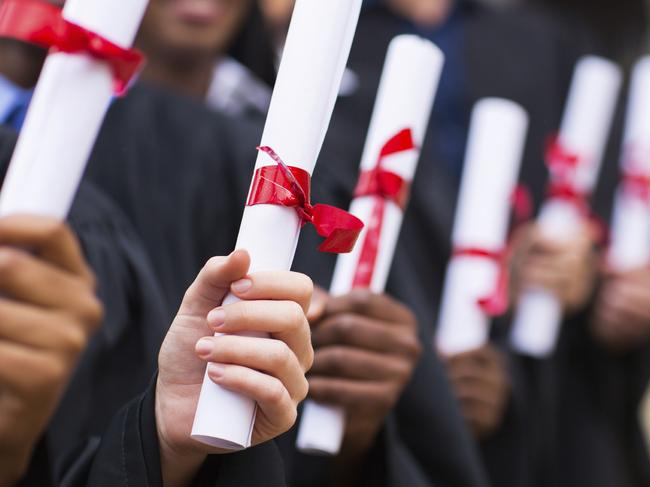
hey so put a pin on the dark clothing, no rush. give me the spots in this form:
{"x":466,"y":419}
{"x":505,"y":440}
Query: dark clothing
{"x":94,"y":440}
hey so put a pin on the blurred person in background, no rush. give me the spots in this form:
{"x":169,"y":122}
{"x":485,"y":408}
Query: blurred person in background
{"x":219,"y":51}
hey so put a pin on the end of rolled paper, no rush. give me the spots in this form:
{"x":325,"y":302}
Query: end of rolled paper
{"x":321,"y":429}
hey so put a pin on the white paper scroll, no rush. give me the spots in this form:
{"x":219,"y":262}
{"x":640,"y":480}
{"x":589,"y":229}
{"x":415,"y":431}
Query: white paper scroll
{"x":314,"y":58}
{"x":404,"y":100}
{"x":71,"y":99}
{"x":584,"y":132}
{"x":630,"y":235}
{"x":495,"y":147}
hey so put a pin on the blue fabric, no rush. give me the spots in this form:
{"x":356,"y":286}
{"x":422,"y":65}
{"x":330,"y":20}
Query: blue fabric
{"x":449,"y":120}
{"x":14,"y":102}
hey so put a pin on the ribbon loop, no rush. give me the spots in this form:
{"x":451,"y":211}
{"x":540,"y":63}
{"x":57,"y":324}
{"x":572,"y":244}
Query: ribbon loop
{"x":290,"y":187}
{"x":384,"y":186}
{"x":41,"y":23}
{"x":563,"y":165}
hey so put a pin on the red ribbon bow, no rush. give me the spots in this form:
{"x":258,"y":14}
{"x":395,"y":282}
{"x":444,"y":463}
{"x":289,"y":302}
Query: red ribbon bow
{"x":384,"y":186}
{"x":562,"y":165}
{"x":291,"y":187}
{"x":38,"y":22}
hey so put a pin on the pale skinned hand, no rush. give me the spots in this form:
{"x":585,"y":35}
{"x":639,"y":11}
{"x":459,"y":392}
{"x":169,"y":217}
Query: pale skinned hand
{"x":567,"y":268}
{"x":481,"y":383}
{"x":48,"y":312}
{"x":367,"y":346}
{"x":271,"y":370}
{"x":621,"y":319}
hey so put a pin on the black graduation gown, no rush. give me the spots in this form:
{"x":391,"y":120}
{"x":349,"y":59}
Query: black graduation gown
{"x":99,"y":435}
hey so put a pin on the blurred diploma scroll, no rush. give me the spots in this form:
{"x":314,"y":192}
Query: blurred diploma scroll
{"x":494,"y":152}
{"x":630,"y":232}
{"x":574,"y":169}
{"x":397,"y":129}
{"x":70,"y":102}
{"x":314,"y":58}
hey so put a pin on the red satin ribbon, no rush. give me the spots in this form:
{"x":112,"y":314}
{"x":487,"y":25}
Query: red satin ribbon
{"x":383,"y":186}
{"x":41,"y":23}
{"x":291,"y":187}
{"x":637,"y":185}
{"x":562,"y":165}
{"x":495,"y":303}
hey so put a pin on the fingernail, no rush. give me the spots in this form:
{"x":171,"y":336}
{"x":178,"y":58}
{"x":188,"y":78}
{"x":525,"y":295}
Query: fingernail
{"x":241,"y":286}
{"x":216,"y":317}
{"x":216,"y":371}
{"x":204,"y":347}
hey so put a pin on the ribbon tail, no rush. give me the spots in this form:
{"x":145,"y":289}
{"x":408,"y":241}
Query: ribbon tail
{"x":339,"y":228}
{"x":496,"y":304}
{"x":370,"y":249}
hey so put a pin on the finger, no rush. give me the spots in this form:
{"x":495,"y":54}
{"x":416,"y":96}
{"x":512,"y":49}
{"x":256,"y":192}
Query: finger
{"x":26,"y":278}
{"x":48,"y":238}
{"x":30,"y":373}
{"x":38,"y":329}
{"x":364,"y":302}
{"x":365,"y":333}
{"x":272,"y":398}
{"x":275,"y":285}
{"x":264,"y":354}
{"x":346,"y":393}
{"x":318,"y":305}
{"x":353,"y":363}
{"x":213,"y":283}
{"x":284,"y":320}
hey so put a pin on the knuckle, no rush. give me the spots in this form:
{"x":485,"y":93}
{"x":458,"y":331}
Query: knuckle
{"x":282,"y":356}
{"x":306,"y":285}
{"x":275,"y":393}
{"x":296,"y":315}
{"x":360,"y":299}
{"x":303,"y":389}
{"x":309,"y":359}
{"x":92,"y":312}
{"x":74,"y":341}
{"x":343,"y":326}
{"x":10,"y":260}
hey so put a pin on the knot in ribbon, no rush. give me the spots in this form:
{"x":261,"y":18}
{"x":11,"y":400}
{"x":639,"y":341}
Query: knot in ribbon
{"x":290,"y":187}
{"x":384,"y":186}
{"x":496,"y":303}
{"x":41,"y":23}
{"x":563,"y":165}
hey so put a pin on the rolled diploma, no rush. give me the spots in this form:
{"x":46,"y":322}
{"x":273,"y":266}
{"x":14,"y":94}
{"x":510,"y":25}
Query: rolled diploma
{"x":404,"y":100}
{"x":585,"y":129}
{"x":494,"y":153}
{"x":70,"y":101}
{"x":630,"y":236}
{"x":314,"y":58}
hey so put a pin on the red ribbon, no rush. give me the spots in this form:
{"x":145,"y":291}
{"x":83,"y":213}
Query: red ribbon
{"x":637,"y":185}
{"x":291,"y":187}
{"x":495,"y":303}
{"x":562,"y":165}
{"x":41,"y":23}
{"x":383,"y":186}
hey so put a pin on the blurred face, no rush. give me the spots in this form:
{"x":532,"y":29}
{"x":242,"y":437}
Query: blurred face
{"x":422,"y":12}
{"x":192,"y":26}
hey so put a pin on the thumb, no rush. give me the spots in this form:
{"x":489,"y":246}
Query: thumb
{"x":213,"y":283}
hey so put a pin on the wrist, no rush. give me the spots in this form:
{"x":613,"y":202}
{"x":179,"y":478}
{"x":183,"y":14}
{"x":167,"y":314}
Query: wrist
{"x":179,"y":464}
